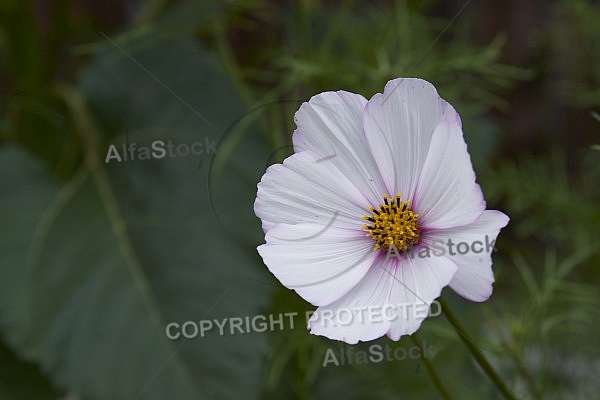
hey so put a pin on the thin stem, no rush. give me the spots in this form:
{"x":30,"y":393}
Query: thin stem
{"x":477,"y":354}
{"x":431,"y":370}
{"x":512,"y":349}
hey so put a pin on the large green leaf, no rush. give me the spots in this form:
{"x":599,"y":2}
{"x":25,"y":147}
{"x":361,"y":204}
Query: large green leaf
{"x":94,"y":270}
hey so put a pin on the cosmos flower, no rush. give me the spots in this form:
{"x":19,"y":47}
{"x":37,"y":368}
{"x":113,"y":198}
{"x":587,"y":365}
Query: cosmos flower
{"x":370,"y":183}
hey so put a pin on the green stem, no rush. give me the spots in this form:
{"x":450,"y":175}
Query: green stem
{"x":512,"y":349}
{"x":477,"y":354}
{"x":431,"y":370}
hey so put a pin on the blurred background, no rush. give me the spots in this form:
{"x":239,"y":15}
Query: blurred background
{"x":96,"y":258}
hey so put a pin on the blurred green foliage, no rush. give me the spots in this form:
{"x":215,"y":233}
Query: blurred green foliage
{"x":576,"y":22}
{"x":97,"y":258}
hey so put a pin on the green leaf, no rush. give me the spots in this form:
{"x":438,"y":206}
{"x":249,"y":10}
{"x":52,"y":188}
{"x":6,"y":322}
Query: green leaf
{"x":104,"y":262}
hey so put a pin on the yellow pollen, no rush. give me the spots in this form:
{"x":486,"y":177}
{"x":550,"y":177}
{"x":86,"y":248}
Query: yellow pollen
{"x":393,"y":223}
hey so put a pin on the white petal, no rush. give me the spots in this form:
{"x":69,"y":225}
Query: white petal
{"x":474,"y":277}
{"x":305,"y":189}
{"x":320,"y":263}
{"x":446,"y":194}
{"x":372,"y":290}
{"x":393,"y":298}
{"x":267,"y":225}
{"x":398,"y":125}
{"x":418,"y":281}
{"x":330,"y":125}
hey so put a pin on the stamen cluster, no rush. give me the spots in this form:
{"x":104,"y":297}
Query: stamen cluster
{"x":392,"y":223}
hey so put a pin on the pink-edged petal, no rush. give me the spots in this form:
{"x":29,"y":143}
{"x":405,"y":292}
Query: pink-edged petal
{"x":474,"y":277}
{"x":417,"y":282}
{"x":330,"y":125}
{"x":306,"y":189}
{"x":320,"y":263}
{"x":398,"y":125}
{"x":446,"y":194}
{"x":371,"y":291}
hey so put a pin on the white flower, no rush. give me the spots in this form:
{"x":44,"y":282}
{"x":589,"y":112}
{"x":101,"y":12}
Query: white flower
{"x":398,"y":163}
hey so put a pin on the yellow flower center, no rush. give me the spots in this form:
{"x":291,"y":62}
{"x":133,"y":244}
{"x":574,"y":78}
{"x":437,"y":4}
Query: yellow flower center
{"x":392,"y":223}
